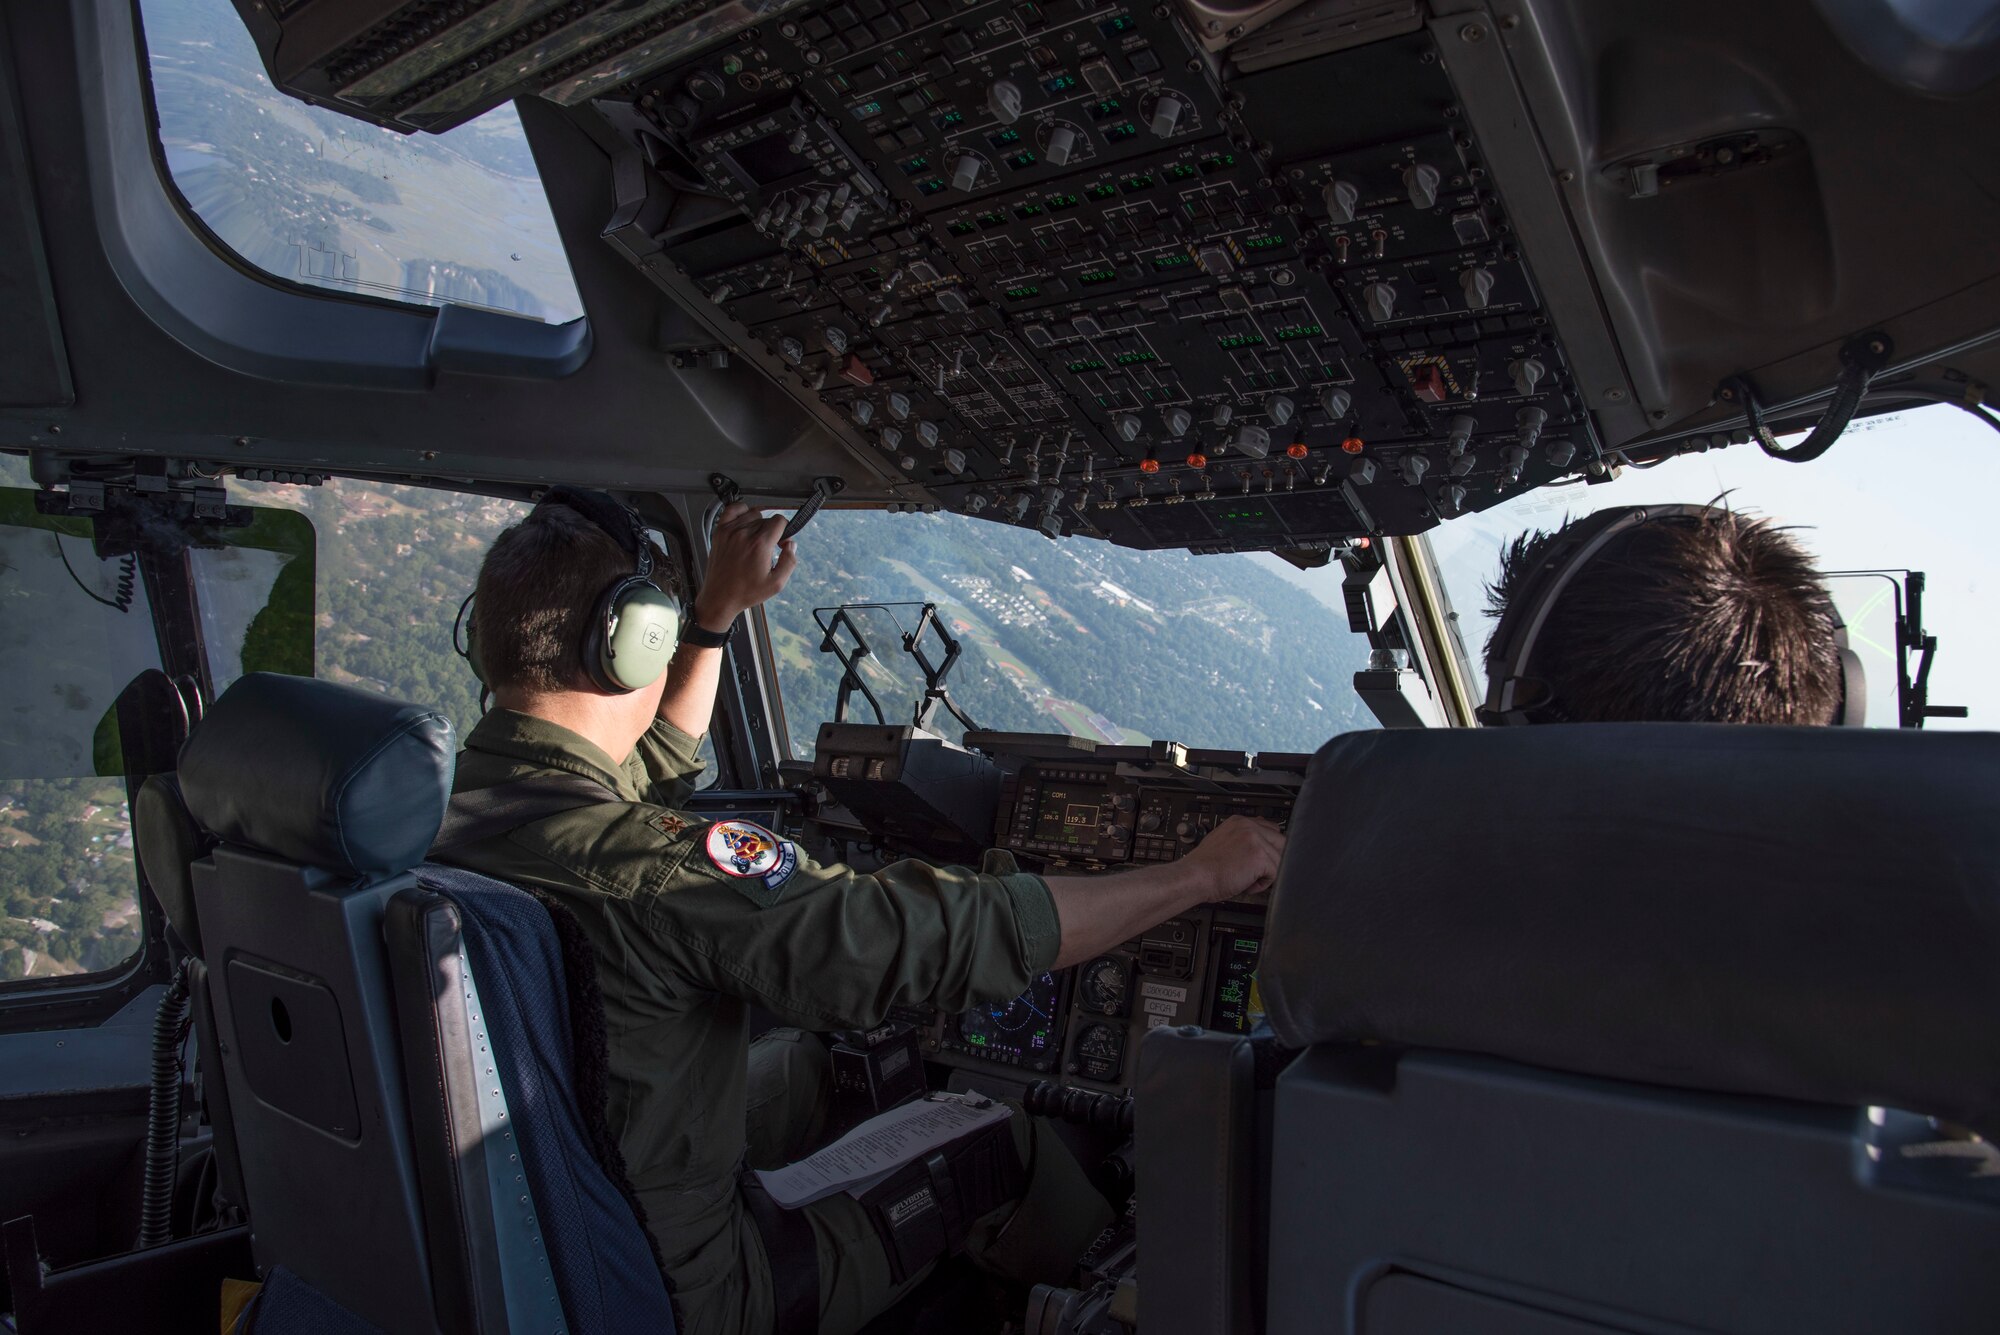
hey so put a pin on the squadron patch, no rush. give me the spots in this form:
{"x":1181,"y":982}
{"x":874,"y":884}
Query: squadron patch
{"x":668,"y":823}
{"x":747,"y":851}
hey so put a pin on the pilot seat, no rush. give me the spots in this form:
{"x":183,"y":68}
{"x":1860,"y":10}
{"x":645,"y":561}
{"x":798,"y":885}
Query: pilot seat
{"x":405,"y":1061}
{"x":1652,"y":1027}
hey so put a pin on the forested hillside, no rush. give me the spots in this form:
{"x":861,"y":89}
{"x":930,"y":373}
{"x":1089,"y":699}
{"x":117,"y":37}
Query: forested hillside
{"x":1073,"y":636}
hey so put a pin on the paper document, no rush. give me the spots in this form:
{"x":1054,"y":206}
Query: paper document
{"x":879,"y":1146}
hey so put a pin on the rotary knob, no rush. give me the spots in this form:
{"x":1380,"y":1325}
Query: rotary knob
{"x":1478,"y":285}
{"x":1526,"y":373}
{"x":1003,"y":98}
{"x":1341,"y":197}
{"x":1168,"y":113}
{"x":1420,"y":182}
{"x":1254,"y":441}
{"x":1381,"y":301}
{"x":1061,"y":146}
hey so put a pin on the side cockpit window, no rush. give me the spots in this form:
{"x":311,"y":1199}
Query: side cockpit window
{"x":124,"y":607}
{"x":79,"y":629}
{"x":312,"y":197}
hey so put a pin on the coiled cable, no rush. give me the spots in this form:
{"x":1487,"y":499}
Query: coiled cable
{"x":163,"y":1114}
{"x":128,"y":578}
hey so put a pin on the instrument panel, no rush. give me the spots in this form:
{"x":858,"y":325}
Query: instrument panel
{"x":1097,"y":814}
{"x":1048,"y":262}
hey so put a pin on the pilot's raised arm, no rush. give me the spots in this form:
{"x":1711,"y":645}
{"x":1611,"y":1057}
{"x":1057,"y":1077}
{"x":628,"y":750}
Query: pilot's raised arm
{"x":695,"y":922}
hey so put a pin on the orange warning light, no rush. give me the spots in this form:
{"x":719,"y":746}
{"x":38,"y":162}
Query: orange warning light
{"x":1352,"y":445}
{"x":1197,"y":460}
{"x":1149,"y":465}
{"x":1296,"y":450}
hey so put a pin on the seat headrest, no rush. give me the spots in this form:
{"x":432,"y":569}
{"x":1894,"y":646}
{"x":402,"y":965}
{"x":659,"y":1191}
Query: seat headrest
{"x":168,"y":841}
{"x":1811,"y":913}
{"x":320,"y":774}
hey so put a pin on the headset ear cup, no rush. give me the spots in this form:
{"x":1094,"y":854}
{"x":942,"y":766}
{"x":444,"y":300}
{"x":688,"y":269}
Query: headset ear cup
{"x":467,"y":645}
{"x":1853,"y":691}
{"x":638,"y":633}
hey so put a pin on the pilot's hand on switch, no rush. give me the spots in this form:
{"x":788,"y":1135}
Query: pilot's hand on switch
{"x":1239,"y":858}
{"x":748,"y":563}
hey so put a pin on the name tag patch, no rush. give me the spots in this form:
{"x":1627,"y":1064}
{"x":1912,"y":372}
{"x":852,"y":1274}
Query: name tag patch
{"x":747,"y":851}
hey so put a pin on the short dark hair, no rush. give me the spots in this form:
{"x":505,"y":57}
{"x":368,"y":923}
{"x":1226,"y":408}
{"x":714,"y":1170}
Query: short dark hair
{"x":538,"y":586}
{"x":1719,"y":619}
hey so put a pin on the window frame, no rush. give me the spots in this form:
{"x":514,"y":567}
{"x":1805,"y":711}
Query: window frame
{"x":193,"y":285}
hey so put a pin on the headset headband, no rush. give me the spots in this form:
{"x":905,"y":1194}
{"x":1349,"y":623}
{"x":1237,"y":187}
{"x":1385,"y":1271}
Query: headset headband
{"x":1508,"y":681}
{"x":1513,"y":692}
{"x":617,"y":519}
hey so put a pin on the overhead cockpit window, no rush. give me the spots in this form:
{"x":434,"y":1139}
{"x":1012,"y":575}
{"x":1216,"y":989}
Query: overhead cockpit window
{"x":312,"y":197}
{"x":1073,"y":636}
{"x":1897,"y":493}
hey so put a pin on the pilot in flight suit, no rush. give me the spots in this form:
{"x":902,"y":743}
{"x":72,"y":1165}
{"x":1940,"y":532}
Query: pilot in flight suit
{"x":820,"y":947}
{"x":696,"y":922}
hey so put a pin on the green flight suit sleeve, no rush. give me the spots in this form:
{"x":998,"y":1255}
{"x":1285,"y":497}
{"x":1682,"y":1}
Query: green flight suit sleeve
{"x":828,"y":947}
{"x":665,"y":764}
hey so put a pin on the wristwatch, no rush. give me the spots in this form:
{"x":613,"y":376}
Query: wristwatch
{"x":692,"y":632}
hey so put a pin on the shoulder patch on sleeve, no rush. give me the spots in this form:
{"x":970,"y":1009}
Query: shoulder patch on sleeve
{"x":752,"y":857}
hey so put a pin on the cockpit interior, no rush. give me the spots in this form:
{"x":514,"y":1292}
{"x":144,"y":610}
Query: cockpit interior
{"x":1152,"y":390}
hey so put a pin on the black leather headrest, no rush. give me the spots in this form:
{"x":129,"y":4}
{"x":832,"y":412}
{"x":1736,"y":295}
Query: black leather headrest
{"x":320,"y":774}
{"x":1812,"y":913}
{"x":168,"y":841}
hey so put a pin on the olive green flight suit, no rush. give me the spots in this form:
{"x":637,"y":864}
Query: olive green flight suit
{"x":685,"y":948}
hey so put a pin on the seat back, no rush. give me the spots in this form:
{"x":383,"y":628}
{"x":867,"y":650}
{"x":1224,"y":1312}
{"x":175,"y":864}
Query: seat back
{"x":410,"y":1146}
{"x":317,"y":796}
{"x":1594,"y":1018}
{"x":566,"y":1230}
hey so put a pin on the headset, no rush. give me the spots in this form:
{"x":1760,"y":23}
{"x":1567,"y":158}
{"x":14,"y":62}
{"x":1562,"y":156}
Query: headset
{"x":1514,"y":694}
{"x":633,"y":629}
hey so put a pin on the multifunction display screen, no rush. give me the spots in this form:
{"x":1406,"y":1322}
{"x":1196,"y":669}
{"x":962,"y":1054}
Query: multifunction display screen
{"x":1071,"y":815}
{"x":1026,"y":1031}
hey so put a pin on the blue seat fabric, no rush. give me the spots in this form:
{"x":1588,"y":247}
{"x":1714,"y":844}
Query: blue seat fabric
{"x":606,"y":1274}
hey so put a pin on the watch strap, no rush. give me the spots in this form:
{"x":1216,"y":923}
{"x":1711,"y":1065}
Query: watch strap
{"x":692,"y":632}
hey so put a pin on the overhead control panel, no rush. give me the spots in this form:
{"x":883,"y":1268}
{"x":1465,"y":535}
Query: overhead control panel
{"x":1041,"y":263}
